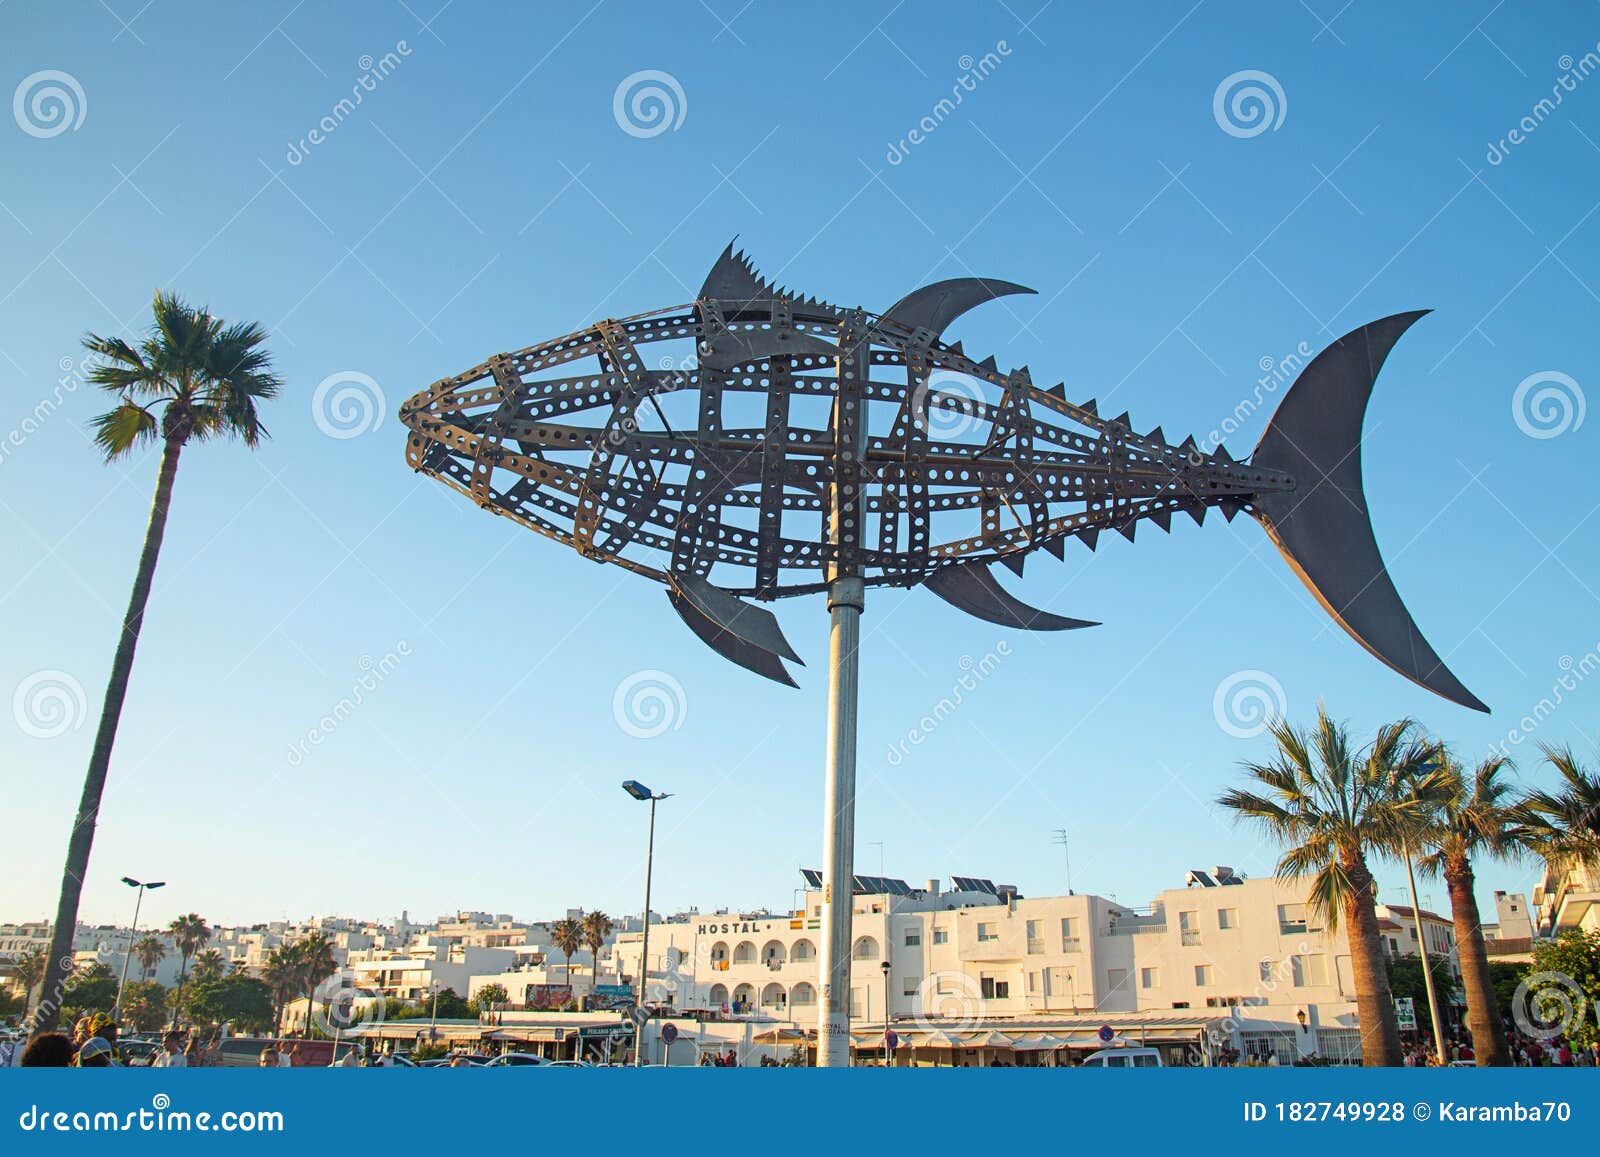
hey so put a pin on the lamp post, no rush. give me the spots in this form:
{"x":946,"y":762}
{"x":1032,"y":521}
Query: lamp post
{"x":887,"y":1051}
{"x":116,"y":1010}
{"x":643,"y":794}
{"x":1422,"y":937}
{"x":433,"y":1020}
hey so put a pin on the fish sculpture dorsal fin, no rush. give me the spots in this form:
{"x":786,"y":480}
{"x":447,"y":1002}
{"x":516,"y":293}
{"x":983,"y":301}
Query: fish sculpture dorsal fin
{"x":734,"y":279}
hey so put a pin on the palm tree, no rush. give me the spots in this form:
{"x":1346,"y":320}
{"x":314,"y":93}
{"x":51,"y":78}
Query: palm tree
{"x":1563,"y":826}
{"x":192,"y":378}
{"x":189,"y":935}
{"x":150,"y":952}
{"x":596,"y":928}
{"x":30,"y":967}
{"x":567,"y":935}
{"x":1330,"y":805}
{"x":314,"y":963}
{"x":209,"y":965}
{"x":278,"y":971}
{"x":1466,"y":821}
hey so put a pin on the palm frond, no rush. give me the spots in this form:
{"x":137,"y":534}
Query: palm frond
{"x":123,"y":430}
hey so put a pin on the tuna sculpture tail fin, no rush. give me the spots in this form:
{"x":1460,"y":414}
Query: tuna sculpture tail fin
{"x":1322,"y":526}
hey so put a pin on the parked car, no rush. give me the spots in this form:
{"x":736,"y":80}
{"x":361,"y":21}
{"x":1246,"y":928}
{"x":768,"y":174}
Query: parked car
{"x":570,"y":1065}
{"x":1125,"y":1058}
{"x":517,"y":1060}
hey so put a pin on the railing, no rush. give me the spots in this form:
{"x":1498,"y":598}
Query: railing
{"x":1190,"y":937}
{"x":1070,"y":944}
{"x":1137,"y":926}
{"x":1036,"y":948}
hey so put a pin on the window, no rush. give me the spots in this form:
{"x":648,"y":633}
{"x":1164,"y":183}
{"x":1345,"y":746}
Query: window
{"x":1310,"y":970}
{"x":1069,"y":934}
{"x":1149,"y":978}
{"x":1202,"y":975}
{"x":1116,"y":979}
{"x":1189,"y":927}
{"x":1035,"y":943}
{"x":993,"y":988}
{"x":910,"y":988}
{"x":1033,"y":982}
{"x":1291,"y":919}
{"x":986,"y":932}
{"x":913,"y":937}
{"x":1227,"y":918}
{"x":1266,"y":970}
{"x":940,"y":936}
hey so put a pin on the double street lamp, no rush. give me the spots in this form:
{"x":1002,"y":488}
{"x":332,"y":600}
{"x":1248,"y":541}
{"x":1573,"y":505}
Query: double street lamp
{"x":142,"y":886}
{"x":644,"y":795}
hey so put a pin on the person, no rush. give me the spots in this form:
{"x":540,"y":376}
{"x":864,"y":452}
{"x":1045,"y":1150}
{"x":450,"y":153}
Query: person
{"x":170,"y":1054}
{"x":95,"y":1053}
{"x":350,"y":1060}
{"x":286,"y":1056}
{"x":50,"y":1050}
{"x":459,"y":1061}
{"x":191,"y":1054}
{"x":1466,"y":1052}
{"x":1564,"y":1054}
{"x":268,"y":1058}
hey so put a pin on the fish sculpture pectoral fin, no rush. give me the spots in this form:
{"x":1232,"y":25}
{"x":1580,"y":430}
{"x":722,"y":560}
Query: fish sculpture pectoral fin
{"x":1322,"y":526}
{"x":738,"y":631}
{"x":933,"y":307}
{"x":971,"y":587}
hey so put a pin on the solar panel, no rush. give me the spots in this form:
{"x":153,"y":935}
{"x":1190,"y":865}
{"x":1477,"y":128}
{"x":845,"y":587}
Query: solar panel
{"x":812,"y":877}
{"x":898,"y":887}
{"x":973,"y":884}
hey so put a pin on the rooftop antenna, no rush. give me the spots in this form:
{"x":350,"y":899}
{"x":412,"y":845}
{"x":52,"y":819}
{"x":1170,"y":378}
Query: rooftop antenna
{"x":1060,"y":837}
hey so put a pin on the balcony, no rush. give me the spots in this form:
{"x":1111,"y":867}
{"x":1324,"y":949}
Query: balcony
{"x":1071,"y":944}
{"x":1138,"y":925}
{"x":1036,"y":948}
{"x":1190,"y":937}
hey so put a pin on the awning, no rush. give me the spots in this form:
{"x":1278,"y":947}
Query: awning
{"x":533,"y":1033}
{"x":986,"y":1039}
{"x":1038,"y":1042}
{"x":782,"y":1036}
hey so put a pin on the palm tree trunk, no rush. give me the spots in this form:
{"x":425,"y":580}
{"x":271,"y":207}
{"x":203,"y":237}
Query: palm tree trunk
{"x":94,"y":782}
{"x":1380,"y":1034}
{"x":1483,"y":1011}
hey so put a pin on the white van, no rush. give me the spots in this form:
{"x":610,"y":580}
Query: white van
{"x":1125,"y":1059}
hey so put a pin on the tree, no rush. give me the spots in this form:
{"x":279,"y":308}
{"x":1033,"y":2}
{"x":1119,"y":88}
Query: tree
{"x":193,"y":378}
{"x":1406,"y":982}
{"x":567,"y":935}
{"x":1466,"y":820}
{"x":1505,"y":978}
{"x":144,"y":1005}
{"x":30,"y":968}
{"x":314,"y":963}
{"x":92,"y":988}
{"x":1564,"y":826}
{"x":210,"y":964}
{"x":149,"y":952}
{"x":279,"y":975}
{"x":243,"y":1001}
{"x":596,"y":928}
{"x":489,"y":996}
{"x":1563,"y":989}
{"x":189,"y":934}
{"x":1330,"y":805}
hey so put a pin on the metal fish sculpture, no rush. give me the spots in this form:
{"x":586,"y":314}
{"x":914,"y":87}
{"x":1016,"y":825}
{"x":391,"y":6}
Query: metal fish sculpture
{"x":755,"y":444}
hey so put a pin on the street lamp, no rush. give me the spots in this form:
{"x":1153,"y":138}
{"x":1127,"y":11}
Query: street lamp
{"x":887,"y":1051}
{"x":643,"y":794}
{"x":116,"y":1010}
{"x":1416,"y":914}
{"x":433,"y":1021}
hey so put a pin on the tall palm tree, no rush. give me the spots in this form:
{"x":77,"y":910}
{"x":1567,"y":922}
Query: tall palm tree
{"x":1564,"y":826}
{"x":1468,"y":820}
{"x":209,"y":965}
{"x":596,"y":927}
{"x":314,"y":963}
{"x":150,"y":952}
{"x":189,"y":935}
{"x":1330,"y":805}
{"x":193,"y":378}
{"x":30,"y":966}
{"x":567,"y":935}
{"x":278,"y":972}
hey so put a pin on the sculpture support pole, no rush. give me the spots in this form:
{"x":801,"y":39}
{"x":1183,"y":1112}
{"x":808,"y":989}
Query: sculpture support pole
{"x":845,"y":597}
{"x":846,"y":592}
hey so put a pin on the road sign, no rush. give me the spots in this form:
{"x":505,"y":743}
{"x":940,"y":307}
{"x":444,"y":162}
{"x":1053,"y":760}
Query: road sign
{"x":1106,"y":1034}
{"x":669,"y":1033}
{"x":894,"y":1040}
{"x":1405,"y":1013}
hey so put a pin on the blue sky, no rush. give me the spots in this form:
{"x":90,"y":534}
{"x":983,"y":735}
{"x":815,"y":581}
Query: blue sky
{"x":484,"y":195}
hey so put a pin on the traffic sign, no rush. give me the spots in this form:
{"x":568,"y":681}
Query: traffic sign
{"x":669,"y":1033}
{"x":1106,"y":1034}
